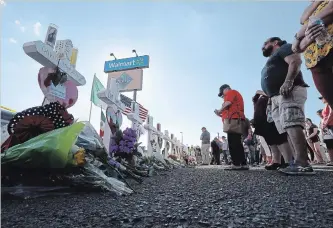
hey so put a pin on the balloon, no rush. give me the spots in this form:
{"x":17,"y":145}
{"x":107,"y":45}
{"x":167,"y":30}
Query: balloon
{"x":114,"y":114}
{"x":65,"y":94}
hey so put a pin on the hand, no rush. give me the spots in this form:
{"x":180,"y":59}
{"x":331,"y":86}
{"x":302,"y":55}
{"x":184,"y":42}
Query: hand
{"x":295,"y":46}
{"x":324,"y":126}
{"x":314,"y":30}
{"x":286,"y":88}
{"x":217,"y":112}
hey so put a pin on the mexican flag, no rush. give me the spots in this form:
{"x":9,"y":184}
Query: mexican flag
{"x":102,"y":124}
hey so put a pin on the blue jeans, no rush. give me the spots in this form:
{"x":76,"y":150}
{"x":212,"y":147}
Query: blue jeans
{"x":225,"y":156}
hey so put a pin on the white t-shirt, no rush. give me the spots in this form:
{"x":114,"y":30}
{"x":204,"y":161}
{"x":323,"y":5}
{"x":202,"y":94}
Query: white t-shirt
{"x":225,"y":145}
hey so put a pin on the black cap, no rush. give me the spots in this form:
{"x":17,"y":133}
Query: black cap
{"x":320,"y":98}
{"x":320,"y":111}
{"x":223,"y":87}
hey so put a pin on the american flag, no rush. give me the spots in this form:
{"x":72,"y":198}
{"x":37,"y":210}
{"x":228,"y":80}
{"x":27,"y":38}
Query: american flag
{"x":127,"y":102}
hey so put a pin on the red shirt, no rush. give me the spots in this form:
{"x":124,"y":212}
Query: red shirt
{"x":326,"y":112}
{"x":236,"y":109}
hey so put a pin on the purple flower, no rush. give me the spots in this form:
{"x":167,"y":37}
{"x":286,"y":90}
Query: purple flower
{"x":113,"y":163}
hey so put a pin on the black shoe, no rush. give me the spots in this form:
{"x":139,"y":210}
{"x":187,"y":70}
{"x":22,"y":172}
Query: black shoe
{"x":274,"y":166}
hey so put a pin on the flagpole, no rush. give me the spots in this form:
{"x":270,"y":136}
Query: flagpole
{"x":90,"y":111}
{"x":92,"y":85}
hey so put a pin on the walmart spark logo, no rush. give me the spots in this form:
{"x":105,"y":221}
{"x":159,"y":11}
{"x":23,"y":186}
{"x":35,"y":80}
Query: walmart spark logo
{"x":124,"y":80}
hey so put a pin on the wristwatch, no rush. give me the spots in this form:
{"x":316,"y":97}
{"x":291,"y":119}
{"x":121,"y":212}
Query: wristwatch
{"x":296,"y":37}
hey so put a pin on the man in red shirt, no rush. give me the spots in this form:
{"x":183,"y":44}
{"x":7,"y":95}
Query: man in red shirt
{"x":233,"y":107}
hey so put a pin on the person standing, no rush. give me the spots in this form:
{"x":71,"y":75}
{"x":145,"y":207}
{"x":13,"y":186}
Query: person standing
{"x":312,"y":133}
{"x":327,"y":137}
{"x":317,"y":21}
{"x":225,"y":148}
{"x":233,"y":109}
{"x":205,"y":144}
{"x":282,"y":81}
{"x":278,"y":143}
{"x":215,"y":151}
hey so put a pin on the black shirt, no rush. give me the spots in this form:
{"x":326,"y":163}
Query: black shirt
{"x":311,"y":130}
{"x":275,"y":72}
{"x":215,"y":146}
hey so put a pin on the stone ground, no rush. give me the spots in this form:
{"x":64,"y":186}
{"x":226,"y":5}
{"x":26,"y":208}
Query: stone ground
{"x":192,"y":197}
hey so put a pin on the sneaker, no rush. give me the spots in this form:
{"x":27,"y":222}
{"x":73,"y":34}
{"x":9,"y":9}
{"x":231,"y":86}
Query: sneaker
{"x":274,"y":166}
{"x":233,"y":167}
{"x":297,"y":170}
{"x":245,"y":167}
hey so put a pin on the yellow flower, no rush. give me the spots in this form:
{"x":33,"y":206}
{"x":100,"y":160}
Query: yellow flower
{"x":79,"y":157}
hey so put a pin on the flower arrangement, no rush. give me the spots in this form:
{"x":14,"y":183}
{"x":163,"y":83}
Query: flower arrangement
{"x":173,"y":157}
{"x":123,"y":144}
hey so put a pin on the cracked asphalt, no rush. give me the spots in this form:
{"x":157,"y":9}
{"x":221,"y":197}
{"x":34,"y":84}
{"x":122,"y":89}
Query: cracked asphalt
{"x":190,"y":197}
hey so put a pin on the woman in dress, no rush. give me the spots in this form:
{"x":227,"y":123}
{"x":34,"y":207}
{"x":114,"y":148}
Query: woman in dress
{"x":312,"y":133}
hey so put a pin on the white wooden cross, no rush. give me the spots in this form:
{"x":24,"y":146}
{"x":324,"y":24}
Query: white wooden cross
{"x":172,"y":145}
{"x":159,"y":136}
{"x":166,"y":142}
{"x":151,"y":136}
{"x":136,"y":120}
{"x":175,"y":145}
{"x":48,"y":57}
{"x":110,"y":96}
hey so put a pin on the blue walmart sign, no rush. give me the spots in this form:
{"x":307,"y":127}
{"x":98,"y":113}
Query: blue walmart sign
{"x":127,"y":64}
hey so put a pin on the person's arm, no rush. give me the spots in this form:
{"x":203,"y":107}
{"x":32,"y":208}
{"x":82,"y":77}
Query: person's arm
{"x":309,"y":10}
{"x":325,"y":15}
{"x":315,"y":131}
{"x":201,"y":136}
{"x":228,"y":98}
{"x":328,"y":118}
{"x":294,"y":61}
{"x":225,"y":105}
{"x":294,"y":66}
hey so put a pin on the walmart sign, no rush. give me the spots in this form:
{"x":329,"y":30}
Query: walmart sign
{"x":127,"y":64}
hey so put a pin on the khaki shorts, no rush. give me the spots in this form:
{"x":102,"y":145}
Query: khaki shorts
{"x":288,"y":111}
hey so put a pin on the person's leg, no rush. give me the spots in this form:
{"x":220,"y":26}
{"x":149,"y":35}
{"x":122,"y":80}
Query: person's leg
{"x":217,"y":158}
{"x":276,"y":154}
{"x":208,"y":157}
{"x":251,"y":153}
{"x":286,"y":151}
{"x":257,"y":156}
{"x":204,"y":153}
{"x":322,"y":75}
{"x":312,"y":156}
{"x":329,"y":146}
{"x":316,"y":146}
{"x":298,"y":141}
{"x":236,"y":149}
{"x":293,"y":121}
{"x":225,"y":156}
{"x":232,"y":141}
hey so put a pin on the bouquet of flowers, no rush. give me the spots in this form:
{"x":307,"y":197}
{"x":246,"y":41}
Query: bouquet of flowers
{"x":124,"y":144}
{"x":173,"y":157}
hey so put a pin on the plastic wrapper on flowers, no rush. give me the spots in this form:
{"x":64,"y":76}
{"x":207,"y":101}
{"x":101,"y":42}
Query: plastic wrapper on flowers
{"x":57,"y":160}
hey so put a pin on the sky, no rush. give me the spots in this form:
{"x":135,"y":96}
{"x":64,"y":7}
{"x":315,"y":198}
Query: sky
{"x":194,"y":48}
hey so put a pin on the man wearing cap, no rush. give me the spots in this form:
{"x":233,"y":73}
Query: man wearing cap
{"x":282,"y":81}
{"x":205,"y":145}
{"x":233,"y":108}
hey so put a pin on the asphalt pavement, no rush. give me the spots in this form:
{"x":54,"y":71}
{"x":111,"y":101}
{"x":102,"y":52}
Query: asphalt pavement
{"x":191,"y":197}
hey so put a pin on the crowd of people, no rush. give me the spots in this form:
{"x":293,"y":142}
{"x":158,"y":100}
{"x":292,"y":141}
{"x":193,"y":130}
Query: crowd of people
{"x":279,"y":126}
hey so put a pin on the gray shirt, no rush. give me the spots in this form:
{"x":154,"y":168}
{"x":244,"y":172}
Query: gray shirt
{"x":275,"y":72}
{"x":205,"y":137}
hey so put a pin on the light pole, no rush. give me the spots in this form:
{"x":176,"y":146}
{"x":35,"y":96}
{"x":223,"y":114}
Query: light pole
{"x":182,"y":136}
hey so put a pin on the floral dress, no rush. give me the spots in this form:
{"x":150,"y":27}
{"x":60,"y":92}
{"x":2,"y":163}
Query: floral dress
{"x":314,"y":52}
